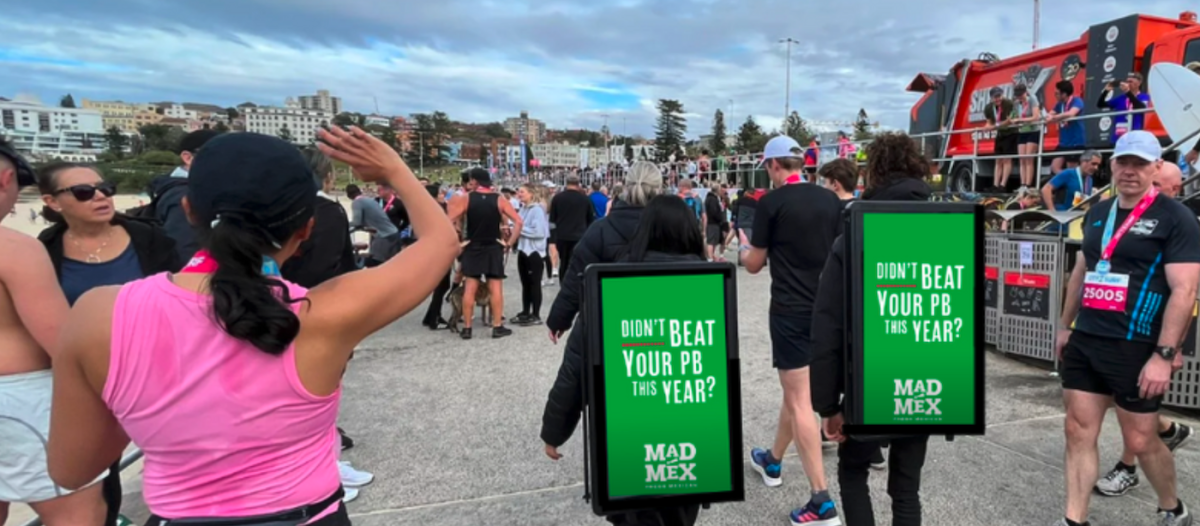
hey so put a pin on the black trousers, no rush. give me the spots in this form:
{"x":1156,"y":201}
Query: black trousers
{"x":684,"y":516}
{"x":565,"y":248}
{"x":529,"y":268}
{"x":434,"y":312}
{"x":906,"y":458}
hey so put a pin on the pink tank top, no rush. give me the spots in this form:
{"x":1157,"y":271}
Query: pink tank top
{"x":227,"y":430}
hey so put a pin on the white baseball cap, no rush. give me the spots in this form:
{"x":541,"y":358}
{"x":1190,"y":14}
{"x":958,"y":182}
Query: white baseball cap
{"x":780,"y":147}
{"x":1138,"y":143}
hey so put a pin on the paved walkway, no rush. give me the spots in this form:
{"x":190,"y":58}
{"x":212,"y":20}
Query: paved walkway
{"x":450,"y":428}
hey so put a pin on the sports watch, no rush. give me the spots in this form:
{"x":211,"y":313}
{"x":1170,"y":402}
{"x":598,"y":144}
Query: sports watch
{"x":1167,"y":352}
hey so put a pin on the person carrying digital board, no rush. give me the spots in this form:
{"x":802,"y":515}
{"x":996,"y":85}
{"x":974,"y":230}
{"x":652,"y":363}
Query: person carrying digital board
{"x":895,"y":172}
{"x":1125,"y":345}
{"x":795,"y":225}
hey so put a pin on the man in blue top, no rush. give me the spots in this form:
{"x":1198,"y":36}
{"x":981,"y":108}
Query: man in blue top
{"x":1063,"y":188}
{"x":1130,"y":98}
{"x":599,"y":197}
{"x":1070,"y":134}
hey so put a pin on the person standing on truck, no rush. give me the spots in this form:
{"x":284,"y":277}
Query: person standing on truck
{"x":1120,"y":349}
{"x":1072,"y":185}
{"x":1130,"y":98}
{"x":1070,"y":134}
{"x":1029,"y":134}
{"x":999,"y":114}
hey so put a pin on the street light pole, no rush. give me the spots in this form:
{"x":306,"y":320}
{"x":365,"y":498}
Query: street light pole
{"x":421,"y":157}
{"x":787,"y":101}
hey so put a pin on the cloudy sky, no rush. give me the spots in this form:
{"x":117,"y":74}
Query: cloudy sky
{"x":568,"y":62}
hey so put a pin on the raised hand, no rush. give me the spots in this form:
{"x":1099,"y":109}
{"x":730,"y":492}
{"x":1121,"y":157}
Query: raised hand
{"x":371,"y":158}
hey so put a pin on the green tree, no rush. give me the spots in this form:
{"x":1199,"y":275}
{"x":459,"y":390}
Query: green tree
{"x":232,"y":113}
{"x":388,"y":136}
{"x":796,"y":128}
{"x":154,"y":137}
{"x":67,"y":101}
{"x":718,"y":133}
{"x":670,"y":129}
{"x":286,"y":134}
{"x":862,"y":127}
{"x":750,"y":137}
{"x":221,"y":128}
{"x":344,"y":119}
{"x":117,"y":142}
{"x":496,"y":130}
{"x":159,"y":158}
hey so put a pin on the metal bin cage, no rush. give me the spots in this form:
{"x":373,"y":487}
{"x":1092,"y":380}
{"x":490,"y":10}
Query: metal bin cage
{"x":1036,"y":284}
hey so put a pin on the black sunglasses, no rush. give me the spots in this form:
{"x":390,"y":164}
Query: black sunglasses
{"x":87,"y":192}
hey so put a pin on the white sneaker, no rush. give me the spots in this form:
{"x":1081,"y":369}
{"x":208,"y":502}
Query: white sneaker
{"x":353,"y":478}
{"x":351,"y":494}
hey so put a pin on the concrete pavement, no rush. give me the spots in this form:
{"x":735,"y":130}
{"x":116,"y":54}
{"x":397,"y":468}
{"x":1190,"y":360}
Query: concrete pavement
{"x":450,"y":429}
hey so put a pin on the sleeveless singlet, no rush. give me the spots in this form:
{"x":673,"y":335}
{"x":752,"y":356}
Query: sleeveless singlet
{"x":483,"y":219}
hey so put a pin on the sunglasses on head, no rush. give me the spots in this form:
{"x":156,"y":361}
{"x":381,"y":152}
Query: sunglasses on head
{"x":87,"y":192}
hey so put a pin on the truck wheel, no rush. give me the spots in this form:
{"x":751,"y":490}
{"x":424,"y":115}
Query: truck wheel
{"x":960,"y":178}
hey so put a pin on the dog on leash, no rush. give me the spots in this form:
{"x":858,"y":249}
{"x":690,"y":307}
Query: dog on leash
{"x":483,"y":298}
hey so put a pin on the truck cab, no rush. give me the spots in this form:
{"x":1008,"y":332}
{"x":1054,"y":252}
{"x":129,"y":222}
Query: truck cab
{"x":948,"y":118}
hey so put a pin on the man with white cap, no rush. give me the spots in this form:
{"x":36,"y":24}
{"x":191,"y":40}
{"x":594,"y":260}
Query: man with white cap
{"x":1130,"y":299}
{"x":795,"y":226}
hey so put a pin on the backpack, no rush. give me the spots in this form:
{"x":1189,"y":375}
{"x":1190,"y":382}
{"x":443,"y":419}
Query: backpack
{"x":149,"y":212}
{"x":695,"y":205}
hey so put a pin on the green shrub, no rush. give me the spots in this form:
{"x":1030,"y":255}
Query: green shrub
{"x":130,"y":178}
{"x":159,"y":158}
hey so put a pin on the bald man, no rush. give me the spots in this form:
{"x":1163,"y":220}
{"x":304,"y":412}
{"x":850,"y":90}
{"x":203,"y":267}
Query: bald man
{"x":1169,"y":180}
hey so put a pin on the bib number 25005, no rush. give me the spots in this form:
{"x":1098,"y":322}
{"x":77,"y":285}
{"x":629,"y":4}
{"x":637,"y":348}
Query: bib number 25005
{"x":1105,"y":291}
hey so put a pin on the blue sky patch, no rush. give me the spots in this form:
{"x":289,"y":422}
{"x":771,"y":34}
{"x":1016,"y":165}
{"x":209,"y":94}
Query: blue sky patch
{"x":14,"y":56}
{"x":608,"y":96}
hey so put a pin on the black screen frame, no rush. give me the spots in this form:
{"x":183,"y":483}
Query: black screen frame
{"x":597,"y":454}
{"x":854,"y":327}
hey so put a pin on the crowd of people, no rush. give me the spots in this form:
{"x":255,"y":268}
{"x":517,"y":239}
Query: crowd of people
{"x":237,"y":296}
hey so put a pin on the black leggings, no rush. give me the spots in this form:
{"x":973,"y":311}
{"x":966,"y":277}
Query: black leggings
{"x":906,"y":458}
{"x":565,"y":249}
{"x":529,"y":268}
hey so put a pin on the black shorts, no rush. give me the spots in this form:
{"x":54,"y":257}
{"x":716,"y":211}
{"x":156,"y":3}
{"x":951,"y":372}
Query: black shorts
{"x":712,"y":233}
{"x":1110,"y":367}
{"x":553,"y":238}
{"x":483,"y":262}
{"x":1028,"y":137}
{"x":1006,"y":144}
{"x":791,"y":342}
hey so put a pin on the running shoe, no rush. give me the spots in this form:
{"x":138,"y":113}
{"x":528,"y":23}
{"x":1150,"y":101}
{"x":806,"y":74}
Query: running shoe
{"x":1117,"y":482}
{"x":1169,"y":518}
{"x":353,"y":478}
{"x":1181,"y":436}
{"x":501,"y":331}
{"x":465,"y":333}
{"x":530,"y":321}
{"x":772,"y":474}
{"x":520,"y":318}
{"x":351,"y":494}
{"x":813,"y":514}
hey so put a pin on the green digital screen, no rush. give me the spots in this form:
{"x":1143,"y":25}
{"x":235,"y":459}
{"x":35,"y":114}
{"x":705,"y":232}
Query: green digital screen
{"x":919,"y":327}
{"x":666,"y":385}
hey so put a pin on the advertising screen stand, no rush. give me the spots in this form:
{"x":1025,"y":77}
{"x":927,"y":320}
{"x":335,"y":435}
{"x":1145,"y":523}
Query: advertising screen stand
{"x":662,"y":384}
{"x":915,"y":362}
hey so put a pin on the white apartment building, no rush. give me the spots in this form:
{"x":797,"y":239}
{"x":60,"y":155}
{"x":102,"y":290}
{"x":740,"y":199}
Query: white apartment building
{"x":322,"y":101}
{"x":178,"y":111}
{"x":378,"y":120}
{"x":301,"y":124}
{"x":556,"y":154}
{"x":46,"y":132}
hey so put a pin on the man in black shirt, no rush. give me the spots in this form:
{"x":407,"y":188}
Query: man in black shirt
{"x":795,"y":226}
{"x":484,"y":210}
{"x":1130,"y":298}
{"x":571,"y":212}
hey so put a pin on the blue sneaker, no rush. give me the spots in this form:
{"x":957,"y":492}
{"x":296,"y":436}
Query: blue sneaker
{"x":813,"y":514}
{"x":771,"y":473}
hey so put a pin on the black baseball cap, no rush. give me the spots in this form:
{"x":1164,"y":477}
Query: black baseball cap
{"x":25,"y":175}
{"x":259,"y":181}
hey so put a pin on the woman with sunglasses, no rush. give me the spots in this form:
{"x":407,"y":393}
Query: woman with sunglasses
{"x":91,"y":245}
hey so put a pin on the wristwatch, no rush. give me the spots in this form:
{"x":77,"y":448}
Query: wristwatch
{"x":1167,"y":352}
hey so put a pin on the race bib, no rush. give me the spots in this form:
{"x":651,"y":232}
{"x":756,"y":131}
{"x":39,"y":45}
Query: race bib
{"x":1105,"y":291}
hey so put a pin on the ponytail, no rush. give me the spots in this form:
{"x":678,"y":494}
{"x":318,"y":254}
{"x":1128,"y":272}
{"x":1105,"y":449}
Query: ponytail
{"x":248,"y":305}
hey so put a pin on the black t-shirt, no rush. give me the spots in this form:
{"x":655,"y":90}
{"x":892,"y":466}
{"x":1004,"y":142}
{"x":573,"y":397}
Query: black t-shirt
{"x":571,"y":212}
{"x":1166,"y":233}
{"x":712,"y":209}
{"x":797,"y":225}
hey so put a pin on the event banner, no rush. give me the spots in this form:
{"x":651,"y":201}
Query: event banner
{"x":922,"y":297}
{"x":666,"y":390}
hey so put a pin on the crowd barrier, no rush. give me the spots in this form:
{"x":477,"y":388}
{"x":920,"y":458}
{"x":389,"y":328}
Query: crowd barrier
{"x":1027,"y":276}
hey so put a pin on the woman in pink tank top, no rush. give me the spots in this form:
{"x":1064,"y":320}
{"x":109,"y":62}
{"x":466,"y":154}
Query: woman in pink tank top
{"x":225,"y":375}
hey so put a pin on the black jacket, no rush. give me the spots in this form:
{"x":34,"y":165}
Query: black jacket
{"x":571,"y":213}
{"x":564,"y":404}
{"x":155,"y":250}
{"x":603,"y":242}
{"x":829,"y":313}
{"x":169,"y":211}
{"x":327,"y":253}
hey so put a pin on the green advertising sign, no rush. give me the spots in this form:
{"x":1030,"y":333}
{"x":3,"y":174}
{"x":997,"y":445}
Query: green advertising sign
{"x":669,"y":422}
{"x":919,"y":360}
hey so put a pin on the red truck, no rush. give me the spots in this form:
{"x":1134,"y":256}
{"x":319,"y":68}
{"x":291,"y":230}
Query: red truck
{"x":1105,"y":53}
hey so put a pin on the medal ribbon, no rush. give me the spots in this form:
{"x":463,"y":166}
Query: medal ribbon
{"x":1110,"y":239}
{"x":203,"y":263}
{"x":793,"y":179}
